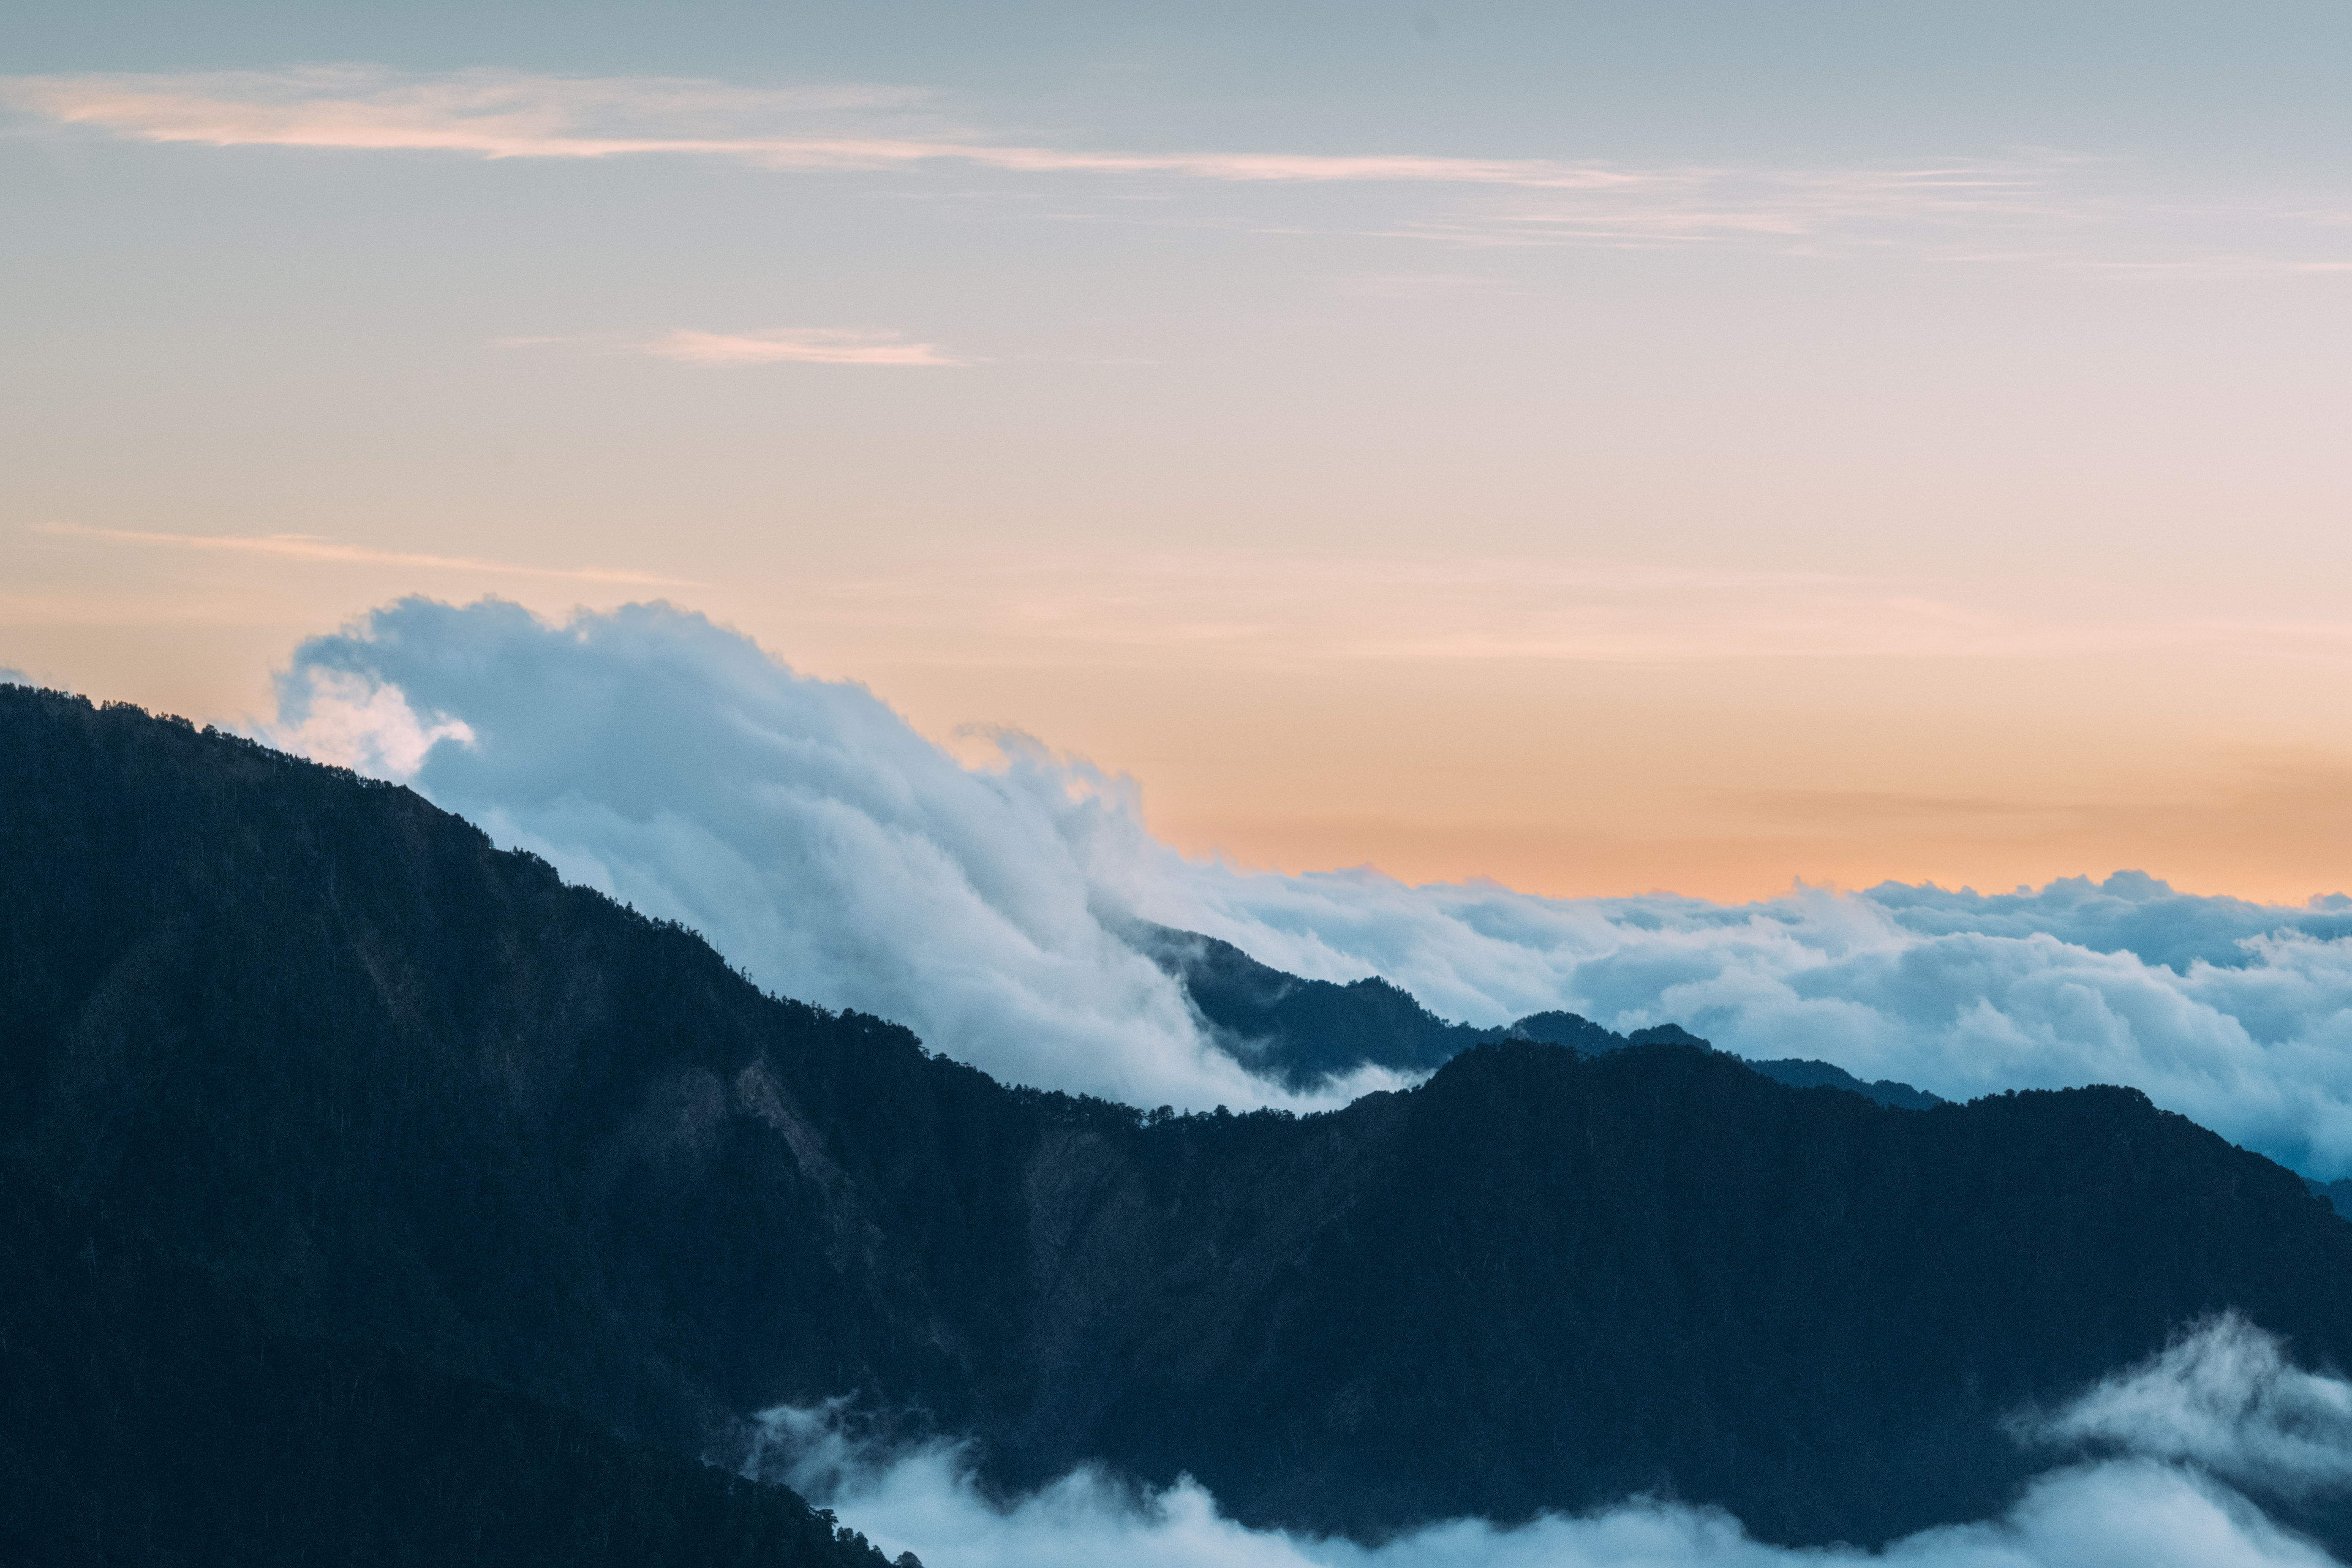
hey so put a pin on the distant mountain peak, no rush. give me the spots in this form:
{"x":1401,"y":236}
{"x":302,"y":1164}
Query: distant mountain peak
{"x":1303,"y":1034}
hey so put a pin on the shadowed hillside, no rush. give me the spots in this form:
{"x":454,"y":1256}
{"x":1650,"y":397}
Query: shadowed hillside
{"x":151,"y":1417}
{"x":392,"y":1088}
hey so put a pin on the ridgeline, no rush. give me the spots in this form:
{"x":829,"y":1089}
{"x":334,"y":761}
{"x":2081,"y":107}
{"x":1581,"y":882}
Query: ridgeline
{"x":566,"y":1199}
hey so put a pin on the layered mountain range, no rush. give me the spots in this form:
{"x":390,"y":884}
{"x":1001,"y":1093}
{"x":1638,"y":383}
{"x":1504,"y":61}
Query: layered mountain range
{"x":1305,"y":1033}
{"x":516,"y":1186}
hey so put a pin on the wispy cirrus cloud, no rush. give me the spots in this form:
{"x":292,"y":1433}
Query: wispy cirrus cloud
{"x":314,"y":550}
{"x":2037,"y":206}
{"x":1279,"y":609}
{"x":1984,"y":196}
{"x":512,"y":114}
{"x":780,"y":345}
{"x":795,"y":346}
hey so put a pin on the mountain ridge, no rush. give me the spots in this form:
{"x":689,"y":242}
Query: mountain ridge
{"x":401,"y":1089}
{"x":1305,"y":1033}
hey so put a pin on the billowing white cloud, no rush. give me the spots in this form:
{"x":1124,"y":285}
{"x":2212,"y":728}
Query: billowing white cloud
{"x":2129,"y":912}
{"x":838,"y":855}
{"x":801,"y":825}
{"x":2222,"y":1402}
{"x":366,"y":726}
{"x":2226,"y":1399}
{"x":2259,"y":1048}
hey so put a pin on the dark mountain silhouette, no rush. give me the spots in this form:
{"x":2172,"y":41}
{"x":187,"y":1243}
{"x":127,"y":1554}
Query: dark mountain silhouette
{"x":1799,"y":1073}
{"x":2337,"y":1192}
{"x":1303,"y":1033}
{"x":392,"y":1090}
{"x":149,"y":1416}
{"x":1566,"y":1029}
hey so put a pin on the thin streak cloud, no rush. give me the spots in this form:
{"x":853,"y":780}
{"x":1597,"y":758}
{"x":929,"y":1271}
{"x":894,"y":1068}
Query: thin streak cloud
{"x":1268,"y":608}
{"x":795,"y":346}
{"x":309,"y":548}
{"x":2043,"y":207}
{"x":500,"y":114}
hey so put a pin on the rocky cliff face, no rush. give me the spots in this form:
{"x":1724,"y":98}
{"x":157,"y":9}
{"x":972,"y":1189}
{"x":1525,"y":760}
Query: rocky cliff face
{"x":396,"y":1089}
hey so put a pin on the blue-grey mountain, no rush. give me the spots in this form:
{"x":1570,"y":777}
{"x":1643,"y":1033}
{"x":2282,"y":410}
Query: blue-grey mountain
{"x":1303,"y":1034}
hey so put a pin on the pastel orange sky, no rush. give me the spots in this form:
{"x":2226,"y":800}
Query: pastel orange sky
{"x":1504,"y":442}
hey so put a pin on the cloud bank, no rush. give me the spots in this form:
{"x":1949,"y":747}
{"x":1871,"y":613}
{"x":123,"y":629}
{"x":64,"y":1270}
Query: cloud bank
{"x":838,"y":855}
{"x":2177,"y":1431}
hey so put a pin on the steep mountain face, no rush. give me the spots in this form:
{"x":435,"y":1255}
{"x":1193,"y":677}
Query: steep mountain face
{"x":392,"y":1088}
{"x":1805,"y":1306}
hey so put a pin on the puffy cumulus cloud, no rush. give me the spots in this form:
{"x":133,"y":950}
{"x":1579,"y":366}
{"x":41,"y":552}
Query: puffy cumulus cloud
{"x":801,"y":825}
{"x":2222,"y":1400}
{"x":835,"y":854}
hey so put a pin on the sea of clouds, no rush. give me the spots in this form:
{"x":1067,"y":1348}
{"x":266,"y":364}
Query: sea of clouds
{"x":2147,"y":1470}
{"x":838,"y":855}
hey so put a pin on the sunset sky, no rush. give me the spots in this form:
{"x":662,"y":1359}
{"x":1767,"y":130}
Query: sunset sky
{"x":1598,"y":448}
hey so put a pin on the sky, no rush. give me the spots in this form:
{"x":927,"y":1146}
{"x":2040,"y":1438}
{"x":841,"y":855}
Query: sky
{"x":1400,"y":486}
{"x":1691,"y":447}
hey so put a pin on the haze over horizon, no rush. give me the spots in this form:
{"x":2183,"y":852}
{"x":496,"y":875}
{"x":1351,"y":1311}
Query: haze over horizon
{"x":1599,"y":452}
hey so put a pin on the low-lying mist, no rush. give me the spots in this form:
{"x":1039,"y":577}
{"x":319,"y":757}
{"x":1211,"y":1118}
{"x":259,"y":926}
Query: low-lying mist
{"x":2149,"y":1468}
{"x":837,"y":855}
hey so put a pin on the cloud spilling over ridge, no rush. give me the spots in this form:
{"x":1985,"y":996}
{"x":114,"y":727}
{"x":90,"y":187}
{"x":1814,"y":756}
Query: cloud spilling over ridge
{"x":805,"y":827}
{"x":2258,"y":1049}
{"x":838,"y":855}
{"x":2157,"y":1499}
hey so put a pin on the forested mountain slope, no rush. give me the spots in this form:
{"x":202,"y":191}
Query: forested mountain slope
{"x":149,"y":1416}
{"x":392,"y":1088}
